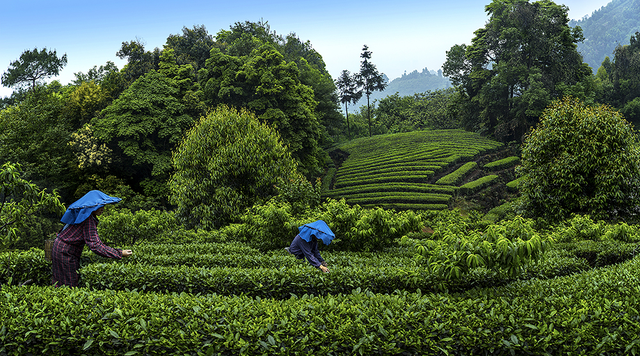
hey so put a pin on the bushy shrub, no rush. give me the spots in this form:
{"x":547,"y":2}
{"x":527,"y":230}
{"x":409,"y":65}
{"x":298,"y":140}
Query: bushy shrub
{"x":273,"y":225}
{"x":28,"y":267}
{"x":229,"y":162}
{"x":579,"y":228}
{"x":121,"y":227}
{"x":580,"y":159}
{"x":453,"y":252}
{"x":33,"y":230}
{"x":269,"y":226}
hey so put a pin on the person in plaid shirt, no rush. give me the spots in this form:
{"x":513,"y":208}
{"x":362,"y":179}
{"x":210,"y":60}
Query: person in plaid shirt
{"x":81,"y":229}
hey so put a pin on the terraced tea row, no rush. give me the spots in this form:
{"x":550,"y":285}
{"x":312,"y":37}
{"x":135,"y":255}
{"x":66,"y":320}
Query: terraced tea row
{"x":397,"y":171}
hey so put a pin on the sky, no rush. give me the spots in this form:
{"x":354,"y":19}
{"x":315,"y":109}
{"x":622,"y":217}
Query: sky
{"x":403,"y":35}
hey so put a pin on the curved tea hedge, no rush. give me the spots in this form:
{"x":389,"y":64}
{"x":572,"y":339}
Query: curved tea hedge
{"x":595,"y":312}
{"x":411,"y":159}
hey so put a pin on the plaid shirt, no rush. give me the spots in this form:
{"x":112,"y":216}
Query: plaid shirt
{"x":67,"y":249}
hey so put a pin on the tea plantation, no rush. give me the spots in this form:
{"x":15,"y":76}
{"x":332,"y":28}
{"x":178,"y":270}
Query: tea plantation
{"x":580,"y":296}
{"x":419,"y":280}
{"x":416,"y":170}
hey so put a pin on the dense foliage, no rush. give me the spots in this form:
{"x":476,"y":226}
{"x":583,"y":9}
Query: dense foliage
{"x":620,"y":79}
{"x":228,"y":162}
{"x":605,"y":28}
{"x":421,"y":111}
{"x":580,"y":159}
{"x":524,"y":57}
{"x":211,"y":276}
{"x":20,"y":200}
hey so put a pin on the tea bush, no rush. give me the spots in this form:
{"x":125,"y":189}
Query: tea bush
{"x":502,"y":163}
{"x":121,"y":227}
{"x":478,"y":184}
{"x":590,"y":313}
{"x":455,"y":176}
{"x":580,"y":159}
{"x":29,"y":266}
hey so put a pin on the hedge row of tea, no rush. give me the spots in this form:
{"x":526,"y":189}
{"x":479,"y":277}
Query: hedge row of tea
{"x":378,"y":167}
{"x":595,"y":312}
{"x":169,"y":268}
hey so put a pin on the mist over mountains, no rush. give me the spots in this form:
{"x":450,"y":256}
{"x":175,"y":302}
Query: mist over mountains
{"x":603,"y":30}
{"x":409,"y":84}
{"x":607,"y":27}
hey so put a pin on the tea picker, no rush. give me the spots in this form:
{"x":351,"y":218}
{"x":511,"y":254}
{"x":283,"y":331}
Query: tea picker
{"x":81,"y":219}
{"x":305,"y":244}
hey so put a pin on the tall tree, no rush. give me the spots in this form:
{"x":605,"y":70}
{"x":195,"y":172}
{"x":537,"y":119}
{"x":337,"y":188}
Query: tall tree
{"x":348,"y":92}
{"x":34,"y":133}
{"x":623,"y":75}
{"x":369,"y":79}
{"x":524,"y":57}
{"x":32,"y":67}
{"x":245,"y":37}
{"x":192,"y":47}
{"x":139,"y":61}
{"x":142,"y":127}
{"x":271,"y":88}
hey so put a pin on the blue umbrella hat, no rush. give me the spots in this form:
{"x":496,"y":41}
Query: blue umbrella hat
{"x":82,"y":208}
{"x":318,"y":228}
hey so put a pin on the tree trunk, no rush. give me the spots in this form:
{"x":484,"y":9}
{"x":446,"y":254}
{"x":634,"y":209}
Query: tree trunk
{"x":369,"y":115}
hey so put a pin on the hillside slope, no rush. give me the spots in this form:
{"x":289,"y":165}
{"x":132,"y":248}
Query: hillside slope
{"x":414,"y":170}
{"x":606,"y":28}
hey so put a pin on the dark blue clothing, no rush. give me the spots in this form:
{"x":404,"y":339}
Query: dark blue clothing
{"x":309,"y":250}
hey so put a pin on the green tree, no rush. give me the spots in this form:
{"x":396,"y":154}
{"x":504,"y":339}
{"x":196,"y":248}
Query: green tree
{"x":524,"y":57}
{"x":270,"y":87}
{"x":95,"y":74}
{"x":246,"y":37}
{"x":192,"y":47}
{"x":313,"y":73}
{"x":624,"y":75}
{"x":433,"y":109}
{"x":396,"y":113}
{"x":580,"y":159}
{"x":348,"y":92}
{"x":19,"y":200}
{"x":228,"y":162}
{"x":142,"y":127}
{"x":32,"y":67}
{"x":139,"y":60}
{"x":34,"y":133}
{"x":369,"y":79}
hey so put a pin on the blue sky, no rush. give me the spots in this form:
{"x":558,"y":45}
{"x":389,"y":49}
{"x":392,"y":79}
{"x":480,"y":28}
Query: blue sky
{"x":402,"y":34}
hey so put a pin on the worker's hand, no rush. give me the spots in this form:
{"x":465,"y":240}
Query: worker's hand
{"x":324,"y":269}
{"x":126,"y":253}
{"x":324,"y":263}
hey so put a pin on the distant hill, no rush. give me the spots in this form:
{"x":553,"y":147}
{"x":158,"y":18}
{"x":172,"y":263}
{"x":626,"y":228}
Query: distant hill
{"x":409,"y":84}
{"x":607,"y":27}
